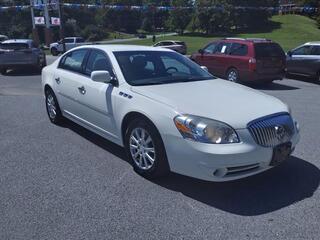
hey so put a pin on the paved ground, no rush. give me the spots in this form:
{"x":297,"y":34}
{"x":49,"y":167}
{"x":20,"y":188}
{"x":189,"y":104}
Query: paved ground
{"x":67,"y":183}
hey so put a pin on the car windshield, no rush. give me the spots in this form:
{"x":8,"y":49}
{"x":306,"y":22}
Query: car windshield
{"x":268,"y":50}
{"x":158,"y":67}
{"x":14,"y":46}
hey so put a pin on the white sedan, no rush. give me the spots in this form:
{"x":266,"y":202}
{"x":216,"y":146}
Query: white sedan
{"x":169,"y":113}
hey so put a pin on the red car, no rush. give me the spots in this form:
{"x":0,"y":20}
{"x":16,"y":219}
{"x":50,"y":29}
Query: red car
{"x":243,"y":60}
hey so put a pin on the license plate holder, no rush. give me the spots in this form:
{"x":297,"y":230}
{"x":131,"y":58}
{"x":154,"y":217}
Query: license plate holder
{"x":281,"y":153}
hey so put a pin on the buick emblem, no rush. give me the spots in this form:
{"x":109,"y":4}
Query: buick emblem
{"x":280,"y":132}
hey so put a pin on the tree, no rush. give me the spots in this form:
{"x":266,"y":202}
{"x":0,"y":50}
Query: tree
{"x":181,"y":15}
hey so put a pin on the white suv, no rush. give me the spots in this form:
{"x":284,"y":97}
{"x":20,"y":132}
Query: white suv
{"x":70,"y":42}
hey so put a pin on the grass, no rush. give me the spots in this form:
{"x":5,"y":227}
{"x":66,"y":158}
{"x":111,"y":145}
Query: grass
{"x":288,"y":30}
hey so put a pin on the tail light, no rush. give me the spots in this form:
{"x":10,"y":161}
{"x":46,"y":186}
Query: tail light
{"x":252,"y":64}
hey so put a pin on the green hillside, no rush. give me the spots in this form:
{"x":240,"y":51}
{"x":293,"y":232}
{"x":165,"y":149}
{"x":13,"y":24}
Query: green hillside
{"x":288,"y":30}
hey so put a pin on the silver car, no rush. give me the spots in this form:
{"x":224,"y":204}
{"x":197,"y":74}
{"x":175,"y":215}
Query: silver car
{"x":177,"y":46}
{"x":305,"y":60}
{"x":21,"y":53}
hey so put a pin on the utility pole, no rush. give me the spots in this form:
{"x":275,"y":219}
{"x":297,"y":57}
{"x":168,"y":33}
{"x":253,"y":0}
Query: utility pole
{"x":61,"y":32}
{"x":35,"y":34}
{"x":48,"y":32}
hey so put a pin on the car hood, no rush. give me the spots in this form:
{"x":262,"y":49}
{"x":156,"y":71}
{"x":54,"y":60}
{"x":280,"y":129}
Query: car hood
{"x":54,"y":44}
{"x":217,"y":99}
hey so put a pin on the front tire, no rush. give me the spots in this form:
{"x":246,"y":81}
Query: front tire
{"x":54,"y":52}
{"x":145,"y":149}
{"x":233,"y":75}
{"x":52,"y":106}
{"x":3,"y":71}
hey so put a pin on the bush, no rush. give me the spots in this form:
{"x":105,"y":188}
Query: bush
{"x":94,"y":33}
{"x":318,"y":21}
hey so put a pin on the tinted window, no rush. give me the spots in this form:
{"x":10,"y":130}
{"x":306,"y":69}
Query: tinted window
{"x":268,"y":50}
{"x":158,"y":67}
{"x":14,"y":46}
{"x":238,"y":49}
{"x":79,"y":40}
{"x":210,"y":48}
{"x":315,"y":50}
{"x":97,"y":61}
{"x":68,"y":40}
{"x":305,"y":50}
{"x":73,"y":61}
{"x":180,"y":43}
{"x":223,"y":48}
{"x":167,"y":43}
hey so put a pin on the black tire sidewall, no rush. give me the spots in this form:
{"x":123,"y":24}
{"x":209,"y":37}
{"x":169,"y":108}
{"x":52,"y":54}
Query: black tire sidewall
{"x":160,"y":167}
{"x":54,"y":52}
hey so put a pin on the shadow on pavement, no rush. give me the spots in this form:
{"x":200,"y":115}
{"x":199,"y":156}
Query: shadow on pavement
{"x":291,"y":182}
{"x":274,"y":86}
{"x":304,"y":79}
{"x":22,"y":72}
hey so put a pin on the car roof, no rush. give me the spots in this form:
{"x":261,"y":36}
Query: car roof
{"x":251,"y":40}
{"x":18,"y":41}
{"x":313,"y":43}
{"x":122,"y":48}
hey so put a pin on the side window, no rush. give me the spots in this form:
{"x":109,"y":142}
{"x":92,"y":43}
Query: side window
{"x":223,"y":48}
{"x":68,"y":40}
{"x":74,"y":60}
{"x":305,"y":50}
{"x":79,"y":40}
{"x":315,"y":50}
{"x":97,"y":61}
{"x":238,"y":49}
{"x":210,"y":48}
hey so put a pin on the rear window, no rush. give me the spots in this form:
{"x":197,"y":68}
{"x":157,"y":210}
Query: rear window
{"x":14,"y":46}
{"x":180,"y":43}
{"x":268,"y":50}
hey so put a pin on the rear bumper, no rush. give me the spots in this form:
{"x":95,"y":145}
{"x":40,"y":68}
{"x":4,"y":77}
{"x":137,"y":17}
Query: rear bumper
{"x":32,"y":63}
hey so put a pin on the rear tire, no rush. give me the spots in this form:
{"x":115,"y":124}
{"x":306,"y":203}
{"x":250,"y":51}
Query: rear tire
{"x":54,"y":52}
{"x":3,"y":71}
{"x":317,"y":79}
{"x":233,"y":75}
{"x":145,"y":149}
{"x":53,"y":108}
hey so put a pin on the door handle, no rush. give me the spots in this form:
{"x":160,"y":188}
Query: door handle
{"x":58,"y":80}
{"x":82,"y":90}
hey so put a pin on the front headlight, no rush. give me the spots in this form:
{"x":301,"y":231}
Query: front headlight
{"x":205,"y":130}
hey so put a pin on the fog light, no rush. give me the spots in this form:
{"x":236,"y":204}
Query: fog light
{"x":221,"y":172}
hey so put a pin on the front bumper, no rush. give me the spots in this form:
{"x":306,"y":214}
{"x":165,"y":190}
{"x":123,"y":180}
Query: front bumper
{"x":219,"y":163}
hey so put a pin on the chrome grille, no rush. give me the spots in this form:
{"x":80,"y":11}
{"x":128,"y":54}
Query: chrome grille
{"x":273,"y":130}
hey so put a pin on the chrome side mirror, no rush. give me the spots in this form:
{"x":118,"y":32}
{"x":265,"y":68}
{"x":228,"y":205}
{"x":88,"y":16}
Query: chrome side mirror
{"x":205,"y":68}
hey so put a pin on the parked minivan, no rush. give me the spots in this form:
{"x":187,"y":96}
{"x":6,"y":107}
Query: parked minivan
{"x":243,"y":60}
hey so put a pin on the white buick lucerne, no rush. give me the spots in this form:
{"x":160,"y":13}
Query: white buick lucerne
{"x":169,"y":113}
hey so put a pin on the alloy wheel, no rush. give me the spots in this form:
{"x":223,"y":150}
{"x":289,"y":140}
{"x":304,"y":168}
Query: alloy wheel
{"x":142,"y":148}
{"x":233,"y":76}
{"x":51,"y":106}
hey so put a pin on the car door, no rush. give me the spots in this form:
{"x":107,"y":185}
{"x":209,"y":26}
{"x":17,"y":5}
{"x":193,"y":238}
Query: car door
{"x":207,"y":57}
{"x":298,"y":59}
{"x":239,"y":58}
{"x":70,"y":43}
{"x":68,"y":78}
{"x":312,"y":66}
{"x":221,"y":58}
{"x":96,"y":97}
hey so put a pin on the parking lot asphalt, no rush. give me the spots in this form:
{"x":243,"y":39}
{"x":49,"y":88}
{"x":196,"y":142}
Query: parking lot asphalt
{"x":63,"y":182}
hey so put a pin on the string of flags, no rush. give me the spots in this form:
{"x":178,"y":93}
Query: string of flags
{"x":305,"y":9}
